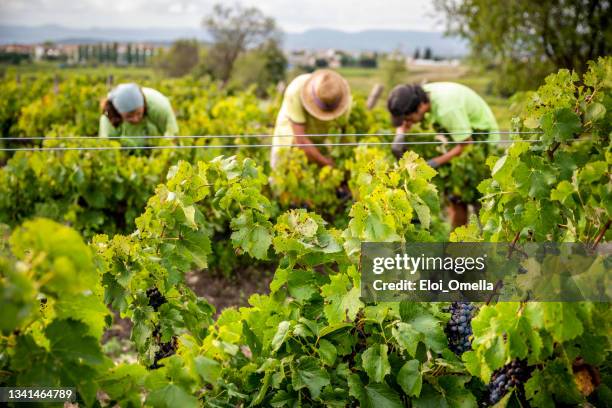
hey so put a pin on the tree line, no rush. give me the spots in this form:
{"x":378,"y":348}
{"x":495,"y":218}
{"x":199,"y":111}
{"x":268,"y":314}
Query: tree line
{"x":522,"y":41}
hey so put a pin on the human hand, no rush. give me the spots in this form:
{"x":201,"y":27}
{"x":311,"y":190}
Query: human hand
{"x":432,"y":163}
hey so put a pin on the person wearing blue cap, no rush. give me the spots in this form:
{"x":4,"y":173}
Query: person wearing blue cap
{"x":130,"y":110}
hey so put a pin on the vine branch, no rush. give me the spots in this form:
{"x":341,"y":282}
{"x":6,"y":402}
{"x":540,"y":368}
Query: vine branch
{"x":552,"y":150}
{"x":601,"y":234}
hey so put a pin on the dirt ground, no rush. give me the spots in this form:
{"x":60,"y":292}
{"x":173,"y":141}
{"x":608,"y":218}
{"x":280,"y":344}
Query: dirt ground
{"x":230,"y":291}
{"x":220,"y":291}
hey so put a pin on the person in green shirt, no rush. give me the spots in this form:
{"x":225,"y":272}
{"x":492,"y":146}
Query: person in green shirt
{"x":451,"y":108}
{"x":130,"y":110}
{"x":311,"y":104}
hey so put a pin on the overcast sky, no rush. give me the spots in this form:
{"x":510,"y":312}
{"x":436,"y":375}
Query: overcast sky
{"x":292,"y":16}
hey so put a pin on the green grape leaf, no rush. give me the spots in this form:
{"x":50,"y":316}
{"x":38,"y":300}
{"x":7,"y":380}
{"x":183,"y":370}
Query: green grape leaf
{"x":376,"y":395}
{"x":456,"y":392}
{"x":495,"y":355}
{"x":170,"y":396}
{"x":341,"y":302}
{"x":253,"y":237}
{"x":283,"y":399}
{"x":87,"y":308}
{"x":430,"y":398}
{"x":251,"y":339}
{"x":593,"y":172}
{"x":595,"y":112}
{"x":563,"y":193}
{"x":433,"y":334}
{"x":302,"y":284}
{"x":189,"y":212}
{"x":560,"y":125}
{"x":473,"y":364}
{"x":123,"y":383}
{"x":207,"y":368}
{"x":375,"y":362}
{"x":196,"y":247}
{"x":562,"y":321}
{"x":327,"y":352}
{"x":280,"y":336}
{"x":69,"y":341}
{"x":407,"y":337}
{"x":307,"y":373}
{"x":543,"y":390}
{"x":410,"y":378}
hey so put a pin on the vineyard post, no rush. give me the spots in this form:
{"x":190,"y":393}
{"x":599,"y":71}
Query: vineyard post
{"x":109,"y":81}
{"x":280,"y":90}
{"x":375,"y":94}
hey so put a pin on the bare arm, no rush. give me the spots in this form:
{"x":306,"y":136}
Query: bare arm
{"x":312,"y":152}
{"x":448,"y":156}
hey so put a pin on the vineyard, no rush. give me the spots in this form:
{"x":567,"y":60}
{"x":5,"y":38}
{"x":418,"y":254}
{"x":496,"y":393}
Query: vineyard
{"x":90,"y":237}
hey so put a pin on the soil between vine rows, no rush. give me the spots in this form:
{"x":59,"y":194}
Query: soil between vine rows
{"x":235,"y":290}
{"x":220,"y":291}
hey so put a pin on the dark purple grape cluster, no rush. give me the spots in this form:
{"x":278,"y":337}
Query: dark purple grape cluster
{"x":156,"y":299}
{"x":303,"y":206}
{"x":459,"y":327}
{"x":343,"y":193}
{"x":513,"y":374}
{"x":165,"y":349}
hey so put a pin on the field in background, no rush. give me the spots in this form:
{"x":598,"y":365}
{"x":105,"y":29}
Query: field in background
{"x":53,"y":67}
{"x":361,"y":79}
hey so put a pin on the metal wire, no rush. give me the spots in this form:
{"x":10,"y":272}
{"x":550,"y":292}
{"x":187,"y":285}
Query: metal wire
{"x":252,"y":136}
{"x":94,"y":148}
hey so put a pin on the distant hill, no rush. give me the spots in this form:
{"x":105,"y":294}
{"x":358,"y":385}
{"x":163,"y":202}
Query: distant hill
{"x":376,"y":40}
{"x":28,"y":35}
{"x":368,"y":40}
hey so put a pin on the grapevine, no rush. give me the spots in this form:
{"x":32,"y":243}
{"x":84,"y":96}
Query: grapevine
{"x":571,"y":168}
{"x":312,"y":340}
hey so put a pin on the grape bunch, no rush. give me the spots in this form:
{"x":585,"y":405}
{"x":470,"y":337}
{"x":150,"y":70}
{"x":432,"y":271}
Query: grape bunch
{"x":459,"y":327}
{"x":513,"y":374}
{"x":302,"y":206}
{"x":343,"y":192}
{"x":156,"y":299}
{"x":165,"y":349}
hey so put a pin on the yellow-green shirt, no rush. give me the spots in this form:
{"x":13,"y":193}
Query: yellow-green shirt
{"x":457,"y":108}
{"x":159,"y":119}
{"x":292,"y":110}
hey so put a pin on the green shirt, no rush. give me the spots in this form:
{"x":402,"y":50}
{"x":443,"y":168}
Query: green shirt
{"x":457,"y":108}
{"x":159,"y":119}
{"x":292,"y":111}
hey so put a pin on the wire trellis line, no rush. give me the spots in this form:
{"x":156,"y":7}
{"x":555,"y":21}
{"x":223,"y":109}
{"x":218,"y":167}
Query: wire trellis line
{"x":100,"y":148}
{"x":252,"y":136}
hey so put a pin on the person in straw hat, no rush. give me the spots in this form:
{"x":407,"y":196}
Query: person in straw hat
{"x":311,"y":104}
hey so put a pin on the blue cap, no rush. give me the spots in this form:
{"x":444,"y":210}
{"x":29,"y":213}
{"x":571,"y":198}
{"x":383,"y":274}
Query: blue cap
{"x":126,"y":97}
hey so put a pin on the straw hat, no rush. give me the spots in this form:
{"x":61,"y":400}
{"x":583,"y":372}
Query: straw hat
{"x":326,"y":95}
